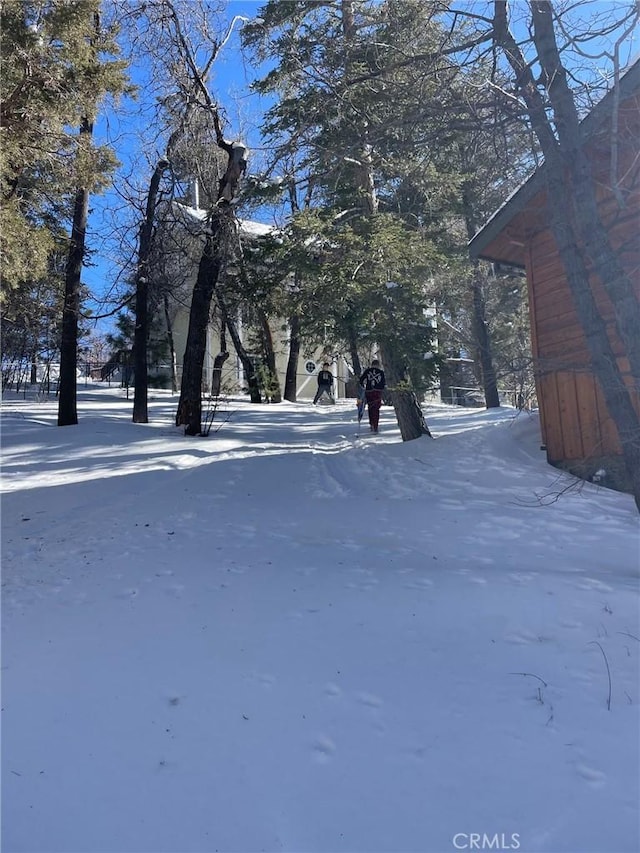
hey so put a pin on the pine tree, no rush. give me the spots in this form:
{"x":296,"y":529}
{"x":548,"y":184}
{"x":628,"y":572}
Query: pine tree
{"x":96,"y":80}
{"x":50,"y":77}
{"x":349,"y":131}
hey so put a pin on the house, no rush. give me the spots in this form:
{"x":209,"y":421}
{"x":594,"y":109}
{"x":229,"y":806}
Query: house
{"x":189,"y":221}
{"x":577,"y":430}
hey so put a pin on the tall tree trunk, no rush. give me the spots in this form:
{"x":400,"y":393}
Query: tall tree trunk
{"x":217,"y":241}
{"x":353,"y":352}
{"x":482,"y":339}
{"x":189,"y":411}
{"x":216,"y":378}
{"x":580,"y":234}
{"x":291,"y":377}
{"x":140,"y":368}
{"x":348,"y":23}
{"x":409,"y":415}
{"x":246,"y":361}
{"x":141,"y":332}
{"x":270,"y":357}
{"x":218,"y":363}
{"x":481,"y":336}
{"x":172,"y":348}
{"x":68,"y":398}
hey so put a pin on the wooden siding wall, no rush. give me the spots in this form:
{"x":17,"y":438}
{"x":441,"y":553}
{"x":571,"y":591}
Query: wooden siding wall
{"x":576,"y":425}
{"x":575,"y":421}
{"x":574,"y":418}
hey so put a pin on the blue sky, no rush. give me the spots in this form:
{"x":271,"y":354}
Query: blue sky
{"x":122,"y":126}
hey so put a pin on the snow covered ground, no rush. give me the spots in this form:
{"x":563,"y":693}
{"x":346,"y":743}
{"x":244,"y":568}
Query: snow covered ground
{"x":288,"y":637}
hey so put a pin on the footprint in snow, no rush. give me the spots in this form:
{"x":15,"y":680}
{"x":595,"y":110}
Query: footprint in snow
{"x":521,"y":577}
{"x":127,"y":594}
{"x":174,"y":590}
{"x":364,"y":586}
{"x":523,"y":637}
{"x":458,"y":506}
{"x":594,"y":778}
{"x":263,"y":678}
{"x":417,"y":753}
{"x":369,"y":700}
{"x":593,"y":583}
{"x":419,"y":583}
{"x":307,"y":571}
{"x":323,"y":749}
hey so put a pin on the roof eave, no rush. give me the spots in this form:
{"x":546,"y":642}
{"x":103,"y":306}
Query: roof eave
{"x":515,"y":203}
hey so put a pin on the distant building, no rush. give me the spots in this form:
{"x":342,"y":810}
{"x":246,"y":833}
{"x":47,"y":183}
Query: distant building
{"x":178,"y":308}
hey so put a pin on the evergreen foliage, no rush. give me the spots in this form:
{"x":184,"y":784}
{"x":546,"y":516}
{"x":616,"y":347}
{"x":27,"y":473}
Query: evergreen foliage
{"x":344,"y":137}
{"x":52,"y":75}
{"x":391,"y":154}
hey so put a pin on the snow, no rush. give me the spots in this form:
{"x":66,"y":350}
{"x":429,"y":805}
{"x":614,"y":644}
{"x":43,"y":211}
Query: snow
{"x":288,"y":636}
{"x":246,"y":227}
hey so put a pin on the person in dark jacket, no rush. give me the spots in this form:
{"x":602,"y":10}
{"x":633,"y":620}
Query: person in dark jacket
{"x":325,"y":383}
{"x":373,"y":381}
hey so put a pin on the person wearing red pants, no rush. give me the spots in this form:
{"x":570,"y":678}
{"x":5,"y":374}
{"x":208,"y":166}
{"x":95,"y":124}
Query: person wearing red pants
{"x":373,"y":381}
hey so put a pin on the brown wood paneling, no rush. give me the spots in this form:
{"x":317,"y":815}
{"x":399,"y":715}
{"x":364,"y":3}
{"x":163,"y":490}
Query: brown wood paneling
{"x":590,"y":432}
{"x":569,"y":418}
{"x":567,"y":351}
{"x":558,"y":305}
{"x":569,"y":343}
{"x":623,"y":221}
{"x":550,"y":417}
{"x":545,"y":386}
{"x":550,"y":278}
{"x":552,"y":333}
{"x":610,"y":439}
{"x":630,"y":382}
{"x":560,"y":320}
{"x":533,"y":304}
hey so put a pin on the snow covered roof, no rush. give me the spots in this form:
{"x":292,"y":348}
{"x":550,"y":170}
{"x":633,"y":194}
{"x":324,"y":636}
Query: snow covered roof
{"x":247,"y":227}
{"x":250,"y":228}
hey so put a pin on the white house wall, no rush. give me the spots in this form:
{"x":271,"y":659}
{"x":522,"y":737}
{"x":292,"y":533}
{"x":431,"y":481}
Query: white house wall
{"x":232,"y":374}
